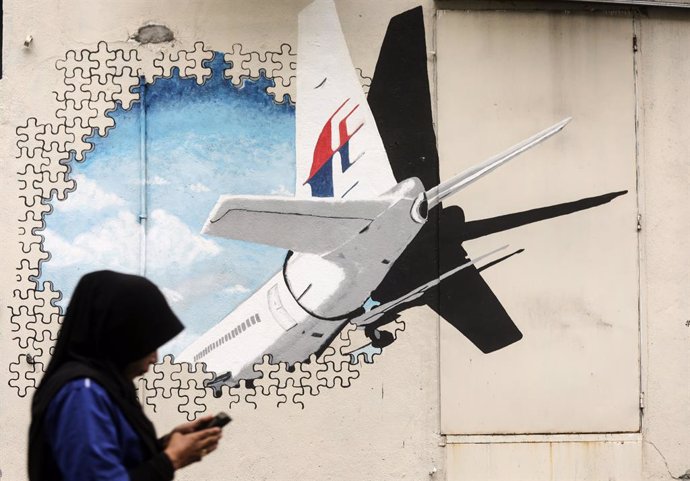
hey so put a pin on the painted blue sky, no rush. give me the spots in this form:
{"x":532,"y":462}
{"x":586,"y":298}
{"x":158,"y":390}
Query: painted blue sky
{"x":202,"y":141}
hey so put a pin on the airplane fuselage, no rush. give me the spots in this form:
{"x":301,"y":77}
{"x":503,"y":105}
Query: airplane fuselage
{"x":302,"y":307}
{"x":335,"y":284}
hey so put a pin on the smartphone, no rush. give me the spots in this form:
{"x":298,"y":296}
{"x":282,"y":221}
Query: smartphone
{"x":218,"y":421}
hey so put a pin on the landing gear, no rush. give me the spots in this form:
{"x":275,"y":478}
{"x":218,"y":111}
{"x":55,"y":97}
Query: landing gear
{"x":379,"y":338}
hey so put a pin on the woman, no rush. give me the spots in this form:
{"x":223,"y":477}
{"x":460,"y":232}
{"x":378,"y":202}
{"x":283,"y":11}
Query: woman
{"x":87,"y":423}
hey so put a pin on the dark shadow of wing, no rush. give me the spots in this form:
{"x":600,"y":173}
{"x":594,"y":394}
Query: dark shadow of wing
{"x":399,"y":99}
{"x":467,"y":302}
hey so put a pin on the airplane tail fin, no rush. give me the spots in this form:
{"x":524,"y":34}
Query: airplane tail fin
{"x":312,"y":226}
{"x":463,"y":179}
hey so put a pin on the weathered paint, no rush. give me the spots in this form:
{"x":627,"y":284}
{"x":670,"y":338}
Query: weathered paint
{"x":386,"y":426}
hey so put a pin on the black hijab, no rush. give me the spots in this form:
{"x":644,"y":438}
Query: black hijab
{"x":112,"y":320}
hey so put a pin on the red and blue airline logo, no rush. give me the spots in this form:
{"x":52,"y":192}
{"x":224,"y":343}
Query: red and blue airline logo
{"x":321,"y":174}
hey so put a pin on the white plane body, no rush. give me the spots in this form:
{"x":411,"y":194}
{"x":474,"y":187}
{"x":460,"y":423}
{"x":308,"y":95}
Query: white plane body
{"x":347,"y":224}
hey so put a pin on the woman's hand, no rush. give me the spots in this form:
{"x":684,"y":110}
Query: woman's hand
{"x":185,"y":428}
{"x":184,"y":449}
{"x":190,"y":427}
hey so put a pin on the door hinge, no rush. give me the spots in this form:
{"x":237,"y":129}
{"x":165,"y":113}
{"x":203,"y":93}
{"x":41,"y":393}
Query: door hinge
{"x":634,"y":43}
{"x":639,"y":222}
{"x":642,"y":400}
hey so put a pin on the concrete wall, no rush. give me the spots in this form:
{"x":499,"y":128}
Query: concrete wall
{"x":372,"y":421}
{"x":664,"y":174}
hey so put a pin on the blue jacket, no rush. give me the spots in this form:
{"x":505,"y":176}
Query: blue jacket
{"x":92,"y":441}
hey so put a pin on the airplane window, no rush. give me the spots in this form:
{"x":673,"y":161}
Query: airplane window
{"x":258,"y":319}
{"x":243,"y":327}
{"x":253,"y":319}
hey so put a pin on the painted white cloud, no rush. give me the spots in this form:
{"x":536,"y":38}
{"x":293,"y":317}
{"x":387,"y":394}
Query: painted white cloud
{"x":88,"y":196}
{"x":281,"y":190}
{"x":199,"y":187}
{"x":112,"y":244}
{"x":157,"y":180}
{"x":236,"y":289}
{"x":170,"y":240}
{"x":171,"y":295}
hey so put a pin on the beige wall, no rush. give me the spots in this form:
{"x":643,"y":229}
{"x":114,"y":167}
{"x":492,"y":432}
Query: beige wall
{"x":665,"y":209}
{"x":386,"y":425}
{"x":660,"y":450}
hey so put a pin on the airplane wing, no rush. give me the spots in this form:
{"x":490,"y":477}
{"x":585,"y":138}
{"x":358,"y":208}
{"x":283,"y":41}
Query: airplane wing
{"x":338,"y":147}
{"x":315,"y":226}
{"x":378,"y":311}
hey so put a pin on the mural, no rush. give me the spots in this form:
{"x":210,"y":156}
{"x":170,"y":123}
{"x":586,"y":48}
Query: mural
{"x":143,"y":144}
{"x":352,"y":218}
{"x":199,"y":140}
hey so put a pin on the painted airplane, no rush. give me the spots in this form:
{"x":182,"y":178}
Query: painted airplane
{"x":347,"y":224}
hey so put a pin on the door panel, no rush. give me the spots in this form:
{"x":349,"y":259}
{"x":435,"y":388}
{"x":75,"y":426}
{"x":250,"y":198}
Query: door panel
{"x":573,"y":291}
